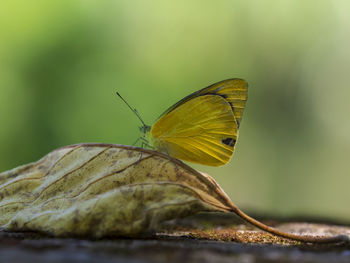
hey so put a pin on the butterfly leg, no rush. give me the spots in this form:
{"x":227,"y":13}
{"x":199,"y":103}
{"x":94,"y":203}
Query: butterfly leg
{"x":137,"y":140}
{"x":145,"y":143}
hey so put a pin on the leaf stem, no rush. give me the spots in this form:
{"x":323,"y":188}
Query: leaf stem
{"x":301,"y":238}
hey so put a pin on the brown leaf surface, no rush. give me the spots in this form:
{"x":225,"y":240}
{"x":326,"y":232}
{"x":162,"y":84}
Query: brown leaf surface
{"x":100,"y":190}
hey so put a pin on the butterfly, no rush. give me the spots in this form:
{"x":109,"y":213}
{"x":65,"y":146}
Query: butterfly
{"x":202,"y":127}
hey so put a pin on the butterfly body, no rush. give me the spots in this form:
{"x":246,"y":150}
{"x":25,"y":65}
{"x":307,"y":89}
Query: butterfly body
{"x":202,"y":127}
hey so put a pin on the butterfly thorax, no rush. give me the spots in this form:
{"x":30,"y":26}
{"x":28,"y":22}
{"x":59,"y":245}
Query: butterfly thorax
{"x":146,"y":138}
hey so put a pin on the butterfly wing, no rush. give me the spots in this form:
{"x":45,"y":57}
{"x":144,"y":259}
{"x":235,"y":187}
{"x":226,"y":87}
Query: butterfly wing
{"x":235,"y":91}
{"x":203,"y":127}
{"x":201,"y":130}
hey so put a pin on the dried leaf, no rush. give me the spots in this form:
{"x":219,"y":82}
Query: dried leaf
{"x":100,"y":190}
{"x":96,"y":190}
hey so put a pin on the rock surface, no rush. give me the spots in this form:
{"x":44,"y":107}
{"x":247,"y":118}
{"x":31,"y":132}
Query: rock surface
{"x":186,"y":241}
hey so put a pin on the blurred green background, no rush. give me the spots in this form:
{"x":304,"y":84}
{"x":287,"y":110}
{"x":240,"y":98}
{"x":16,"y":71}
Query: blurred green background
{"x":62,"y":61}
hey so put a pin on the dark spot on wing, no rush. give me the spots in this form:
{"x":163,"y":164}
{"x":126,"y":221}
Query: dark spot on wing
{"x":229,"y":141}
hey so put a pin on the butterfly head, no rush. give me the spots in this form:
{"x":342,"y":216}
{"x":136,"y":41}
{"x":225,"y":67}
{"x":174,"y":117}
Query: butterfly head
{"x":145,"y":129}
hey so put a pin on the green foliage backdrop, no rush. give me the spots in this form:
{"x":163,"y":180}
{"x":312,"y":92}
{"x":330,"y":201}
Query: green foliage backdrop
{"x":62,"y":61}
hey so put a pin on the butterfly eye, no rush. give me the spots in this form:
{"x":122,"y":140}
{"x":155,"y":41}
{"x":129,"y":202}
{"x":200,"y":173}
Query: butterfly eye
{"x":229,"y":141}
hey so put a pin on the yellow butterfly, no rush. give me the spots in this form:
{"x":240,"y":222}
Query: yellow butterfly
{"x":202,"y":127}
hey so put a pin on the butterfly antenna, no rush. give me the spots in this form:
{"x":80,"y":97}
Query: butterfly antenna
{"x":132,"y":109}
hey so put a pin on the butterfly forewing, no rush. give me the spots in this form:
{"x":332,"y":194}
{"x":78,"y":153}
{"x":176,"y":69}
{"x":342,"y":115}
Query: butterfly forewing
{"x":200,"y":130}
